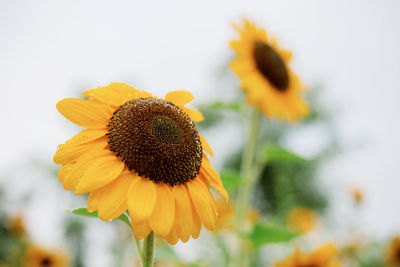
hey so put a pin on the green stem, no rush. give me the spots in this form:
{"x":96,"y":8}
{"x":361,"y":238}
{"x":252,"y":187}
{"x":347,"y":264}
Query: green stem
{"x":148,"y":251}
{"x":248,"y":175}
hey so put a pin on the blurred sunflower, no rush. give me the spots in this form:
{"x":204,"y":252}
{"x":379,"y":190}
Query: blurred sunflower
{"x":143,"y":154}
{"x":226,"y":212}
{"x":322,"y":257}
{"x":302,"y":219}
{"x":262,"y":67}
{"x":15,"y":226}
{"x":38,"y":257}
{"x":357,"y":195}
{"x":393,"y":253}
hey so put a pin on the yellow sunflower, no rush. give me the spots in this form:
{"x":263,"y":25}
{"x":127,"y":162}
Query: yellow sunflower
{"x":143,"y":154}
{"x":322,"y":257}
{"x":302,"y":219}
{"x":393,"y":254}
{"x":38,"y":257}
{"x":263,"y":68}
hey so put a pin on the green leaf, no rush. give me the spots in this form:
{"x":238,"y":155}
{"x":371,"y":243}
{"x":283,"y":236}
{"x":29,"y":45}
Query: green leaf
{"x":85,"y":212}
{"x":279,"y":154}
{"x":266,"y":232}
{"x":231,"y":179}
{"x":233,"y":105}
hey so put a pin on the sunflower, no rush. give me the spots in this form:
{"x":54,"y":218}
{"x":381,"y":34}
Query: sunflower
{"x":143,"y":154}
{"x":393,"y":254}
{"x":302,"y":219}
{"x":322,"y":257}
{"x":265,"y":75}
{"x":38,"y":257}
{"x":358,"y":195}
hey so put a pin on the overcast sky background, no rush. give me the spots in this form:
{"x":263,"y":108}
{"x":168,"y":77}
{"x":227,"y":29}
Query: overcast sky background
{"x":51,"y":50}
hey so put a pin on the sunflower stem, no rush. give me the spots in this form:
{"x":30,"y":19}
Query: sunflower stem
{"x":248,"y":175}
{"x":148,"y":251}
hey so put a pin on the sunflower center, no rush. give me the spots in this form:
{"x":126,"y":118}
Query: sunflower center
{"x":157,"y":140}
{"x":45,"y":262}
{"x":166,"y":130}
{"x":271,"y":65}
{"x":398,"y":254}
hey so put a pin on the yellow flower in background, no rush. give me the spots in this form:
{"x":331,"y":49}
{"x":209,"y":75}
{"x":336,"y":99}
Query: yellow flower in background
{"x":358,"y":195}
{"x":143,"y":154}
{"x":321,"y":257}
{"x":15,"y":226}
{"x":226,"y":212}
{"x":263,"y":68}
{"x":38,"y":257}
{"x":302,"y":219}
{"x":393,"y":253}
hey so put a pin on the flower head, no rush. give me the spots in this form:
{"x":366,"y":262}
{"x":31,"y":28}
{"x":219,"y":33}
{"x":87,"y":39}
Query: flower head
{"x":302,"y":219}
{"x":38,"y":257}
{"x":143,"y":154}
{"x":321,"y":257}
{"x":265,"y":75}
{"x":393,"y":253}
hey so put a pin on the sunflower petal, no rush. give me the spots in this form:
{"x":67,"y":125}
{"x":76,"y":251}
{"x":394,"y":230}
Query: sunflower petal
{"x":183,"y":212}
{"x":84,"y":113}
{"x":93,"y":200}
{"x":103,"y":171}
{"x":194,"y":114}
{"x":196,"y":223}
{"x":142,"y":196}
{"x":172,"y":238}
{"x":206,"y":146}
{"x":73,"y":177}
{"x":162,"y":218}
{"x":179,"y":98}
{"x":202,"y":201}
{"x":141,"y":230}
{"x":64,"y":170}
{"x":113,"y":200}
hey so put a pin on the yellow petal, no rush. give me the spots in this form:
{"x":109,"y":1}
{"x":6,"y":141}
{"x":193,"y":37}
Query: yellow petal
{"x":141,"y":230}
{"x":183,"y":212}
{"x":213,"y":177}
{"x":162,"y":218}
{"x":141,"y":199}
{"x":64,"y":170}
{"x":115,"y":94}
{"x":103,"y":171}
{"x":85,"y":136}
{"x":68,"y":154}
{"x":202,"y":201}
{"x":196,"y":223}
{"x":73,"y":177}
{"x":194,"y":114}
{"x":179,"y":98}
{"x":113,"y":200}
{"x":172,"y":238}
{"x":206,"y":146}
{"x":93,"y":200}
{"x":84,"y":113}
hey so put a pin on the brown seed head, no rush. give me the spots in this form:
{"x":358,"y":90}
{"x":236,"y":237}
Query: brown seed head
{"x":156,"y":139}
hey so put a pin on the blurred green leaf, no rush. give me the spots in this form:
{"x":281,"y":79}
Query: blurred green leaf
{"x":279,"y":154}
{"x":233,"y":105}
{"x":267,"y":232}
{"x":85,"y":212}
{"x":231,"y":179}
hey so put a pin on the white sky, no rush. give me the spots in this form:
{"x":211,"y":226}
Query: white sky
{"x":50,"y":50}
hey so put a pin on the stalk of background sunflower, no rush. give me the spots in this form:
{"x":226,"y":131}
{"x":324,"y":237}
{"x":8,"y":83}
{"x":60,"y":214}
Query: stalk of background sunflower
{"x":143,"y":154}
{"x":272,"y":89}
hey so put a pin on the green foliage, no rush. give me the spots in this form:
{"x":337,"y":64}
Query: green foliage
{"x":231,"y":179}
{"x":279,"y":154}
{"x":267,"y":232}
{"x":85,"y":212}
